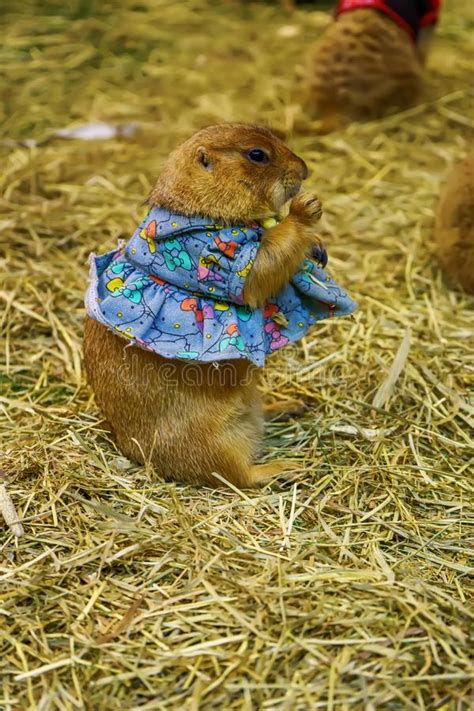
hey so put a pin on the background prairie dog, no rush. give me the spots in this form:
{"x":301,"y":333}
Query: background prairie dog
{"x":364,"y":65}
{"x":454,"y":228}
{"x":232,"y":173}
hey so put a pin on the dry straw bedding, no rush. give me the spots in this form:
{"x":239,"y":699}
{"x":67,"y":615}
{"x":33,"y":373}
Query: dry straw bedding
{"x":345,"y":586}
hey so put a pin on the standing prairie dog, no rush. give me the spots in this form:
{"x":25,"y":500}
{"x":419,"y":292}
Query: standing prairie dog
{"x":189,"y":424}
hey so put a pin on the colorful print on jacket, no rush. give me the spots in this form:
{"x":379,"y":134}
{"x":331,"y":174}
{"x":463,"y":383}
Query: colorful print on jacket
{"x":176,"y":289}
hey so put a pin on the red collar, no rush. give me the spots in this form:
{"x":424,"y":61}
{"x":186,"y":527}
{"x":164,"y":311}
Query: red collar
{"x":411,"y":16}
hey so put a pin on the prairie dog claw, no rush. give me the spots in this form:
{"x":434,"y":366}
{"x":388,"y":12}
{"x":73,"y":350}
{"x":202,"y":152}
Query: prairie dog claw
{"x":306,"y":207}
{"x":320,"y":255}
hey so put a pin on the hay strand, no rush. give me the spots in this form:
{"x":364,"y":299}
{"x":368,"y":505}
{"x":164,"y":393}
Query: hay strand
{"x":8,"y":511}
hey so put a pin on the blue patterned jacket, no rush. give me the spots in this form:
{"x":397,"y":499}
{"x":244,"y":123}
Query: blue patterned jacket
{"x":176,"y":289}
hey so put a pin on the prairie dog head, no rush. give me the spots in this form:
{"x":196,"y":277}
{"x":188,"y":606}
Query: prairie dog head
{"x":230,"y":172}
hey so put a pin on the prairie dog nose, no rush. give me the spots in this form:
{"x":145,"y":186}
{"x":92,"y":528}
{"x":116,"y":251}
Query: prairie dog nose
{"x":304,"y":170}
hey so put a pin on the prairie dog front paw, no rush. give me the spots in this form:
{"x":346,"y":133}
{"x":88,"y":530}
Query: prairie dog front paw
{"x":319,"y":254}
{"x":306,"y":208}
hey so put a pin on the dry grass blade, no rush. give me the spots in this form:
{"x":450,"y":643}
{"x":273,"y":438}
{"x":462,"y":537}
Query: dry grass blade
{"x":8,"y":511}
{"x":388,"y":385}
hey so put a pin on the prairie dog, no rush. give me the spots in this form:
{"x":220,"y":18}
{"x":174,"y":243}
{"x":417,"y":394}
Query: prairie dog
{"x":369,"y":60}
{"x":454,"y":228}
{"x":231,"y":173}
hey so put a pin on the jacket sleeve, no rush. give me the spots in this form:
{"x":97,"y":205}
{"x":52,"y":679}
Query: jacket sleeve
{"x":210,"y":259}
{"x":225,"y":261}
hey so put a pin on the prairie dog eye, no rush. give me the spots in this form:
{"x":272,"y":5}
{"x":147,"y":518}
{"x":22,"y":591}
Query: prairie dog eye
{"x":258,"y":155}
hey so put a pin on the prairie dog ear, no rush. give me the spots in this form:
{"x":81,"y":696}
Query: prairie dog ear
{"x":203,"y":158}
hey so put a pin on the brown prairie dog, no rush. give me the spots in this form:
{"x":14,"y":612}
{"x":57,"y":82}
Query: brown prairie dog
{"x":363,"y":66}
{"x":188,"y":432}
{"x":454,"y":228}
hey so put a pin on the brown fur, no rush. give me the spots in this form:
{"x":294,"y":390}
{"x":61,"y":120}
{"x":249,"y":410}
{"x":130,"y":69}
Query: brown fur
{"x":232,"y":189}
{"x":455,"y":225}
{"x":192,"y":419}
{"x":280,"y":253}
{"x":363,"y":66}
